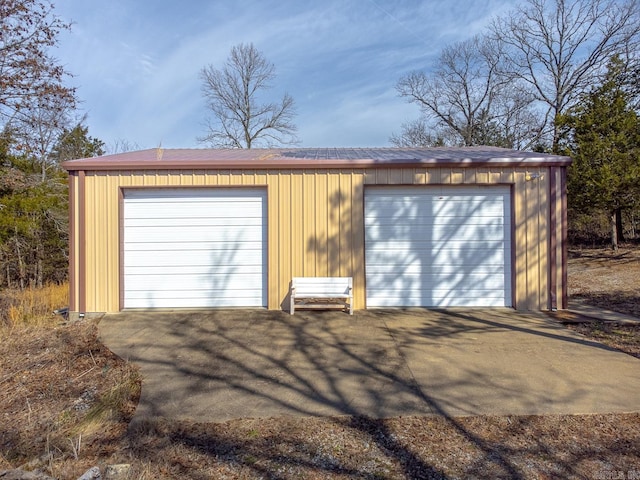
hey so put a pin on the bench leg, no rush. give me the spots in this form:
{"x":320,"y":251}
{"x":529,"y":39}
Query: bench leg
{"x":292,"y":306}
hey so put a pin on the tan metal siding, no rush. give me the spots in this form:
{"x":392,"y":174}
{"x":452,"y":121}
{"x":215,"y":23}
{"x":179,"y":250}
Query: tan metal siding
{"x":296,"y":205}
{"x":112,"y":239}
{"x":273,"y":233}
{"x":542,"y":228}
{"x":315,"y":224}
{"x":308,"y":229}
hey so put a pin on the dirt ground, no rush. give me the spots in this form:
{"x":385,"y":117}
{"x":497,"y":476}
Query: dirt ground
{"x":606,"y":279}
{"x":67,"y":402}
{"x":610,"y":280}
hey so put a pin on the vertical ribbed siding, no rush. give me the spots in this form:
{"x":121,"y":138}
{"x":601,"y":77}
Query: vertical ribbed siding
{"x":308,"y":194}
{"x":542,"y":193}
{"x":316,"y":224}
{"x":92,"y":257}
{"x":112,"y":240}
{"x":284,"y":243}
{"x":273,"y":236}
{"x":520,"y":243}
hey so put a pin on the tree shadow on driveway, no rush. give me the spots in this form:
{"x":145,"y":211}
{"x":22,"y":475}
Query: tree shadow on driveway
{"x":228,"y":364}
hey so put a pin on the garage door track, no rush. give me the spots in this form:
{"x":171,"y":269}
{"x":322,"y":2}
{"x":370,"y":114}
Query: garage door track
{"x":225,"y":364}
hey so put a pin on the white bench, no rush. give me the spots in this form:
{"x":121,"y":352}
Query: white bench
{"x":328,"y":289}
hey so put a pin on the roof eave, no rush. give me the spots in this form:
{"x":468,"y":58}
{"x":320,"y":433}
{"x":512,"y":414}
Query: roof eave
{"x":98,"y":165}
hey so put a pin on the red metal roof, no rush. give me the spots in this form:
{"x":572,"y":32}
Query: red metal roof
{"x":286,"y":158}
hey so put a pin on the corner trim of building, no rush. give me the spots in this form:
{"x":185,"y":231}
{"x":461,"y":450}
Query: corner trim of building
{"x":82,"y":251}
{"x":553,"y":240}
{"x":564,"y":303}
{"x":73,"y":281}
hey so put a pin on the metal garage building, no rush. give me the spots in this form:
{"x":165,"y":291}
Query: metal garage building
{"x":203,"y":228}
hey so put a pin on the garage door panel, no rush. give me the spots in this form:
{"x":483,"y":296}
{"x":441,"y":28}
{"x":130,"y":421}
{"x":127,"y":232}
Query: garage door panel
{"x":191,"y":211}
{"x":195,"y":221}
{"x":392,"y":208}
{"x":424,"y":233}
{"x":451,"y":215}
{"x":159,"y":301}
{"x":194,"y":248}
{"x":218,"y":282}
{"x":196,"y":195}
{"x":234,"y":235}
{"x":451,"y":301}
{"x":196,"y":258}
{"x":416,"y":268}
{"x":192,"y":245}
{"x":440,"y":294}
{"x":174,"y":204}
{"x":443,"y":280}
{"x":205,"y":293}
{"x":438,"y":246}
{"x":181,"y":269}
{"x":200,"y":298}
{"x":435,"y":222}
{"x":471,"y":259}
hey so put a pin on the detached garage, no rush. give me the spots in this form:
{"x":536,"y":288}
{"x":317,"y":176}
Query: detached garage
{"x":439,"y":227}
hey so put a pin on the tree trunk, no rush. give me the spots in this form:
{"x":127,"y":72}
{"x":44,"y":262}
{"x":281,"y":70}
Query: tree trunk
{"x":614,"y":231}
{"x":555,"y":141}
{"x":21,"y":267}
{"x":620,"y":230}
{"x":39,"y":273}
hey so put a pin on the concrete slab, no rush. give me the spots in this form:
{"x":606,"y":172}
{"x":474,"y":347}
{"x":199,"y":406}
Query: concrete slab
{"x":580,"y":307}
{"x":225,"y":364}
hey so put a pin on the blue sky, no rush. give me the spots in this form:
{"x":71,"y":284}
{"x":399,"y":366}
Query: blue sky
{"x":136,"y":63}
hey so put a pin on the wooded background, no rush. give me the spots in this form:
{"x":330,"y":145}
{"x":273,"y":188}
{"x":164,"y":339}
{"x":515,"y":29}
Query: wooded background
{"x":560,"y":76}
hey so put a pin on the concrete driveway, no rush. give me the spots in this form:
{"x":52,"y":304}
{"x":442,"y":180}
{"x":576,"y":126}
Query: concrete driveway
{"x":219,"y":365}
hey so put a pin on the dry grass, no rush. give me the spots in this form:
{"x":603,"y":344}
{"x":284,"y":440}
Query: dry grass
{"x":621,"y":337}
{"x":609,"y":280}
{"x":508,"y":447}
{"x":66,"y":399}
{"x":67,"y":402}
{"x":31,"y":307}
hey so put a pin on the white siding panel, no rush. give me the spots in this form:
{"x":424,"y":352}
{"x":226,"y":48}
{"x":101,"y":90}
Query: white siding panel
{"x":194,"y":248}
{"x":438,"y":246}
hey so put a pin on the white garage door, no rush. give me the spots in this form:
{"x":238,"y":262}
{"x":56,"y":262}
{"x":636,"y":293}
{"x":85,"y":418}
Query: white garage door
{"x":194,"y":248}
{"x":438,"y":246}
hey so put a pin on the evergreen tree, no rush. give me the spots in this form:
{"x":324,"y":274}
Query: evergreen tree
{"x":604,"y":141}
{"x":34,"y":211}
{"x":76,"y":143}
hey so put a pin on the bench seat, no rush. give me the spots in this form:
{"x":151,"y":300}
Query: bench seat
{"x":321,"y":288}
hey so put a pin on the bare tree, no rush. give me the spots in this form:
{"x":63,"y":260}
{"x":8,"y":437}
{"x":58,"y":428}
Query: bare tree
{"x":467,"y":96}
{"x":29,"y":75}
{"x":561,"y":47}
{"x":38,"y":127}
{"x":240,"y":119}
{"x":417,"y":133}
{"x":513,"y":121}
{"x":122,"y":145}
